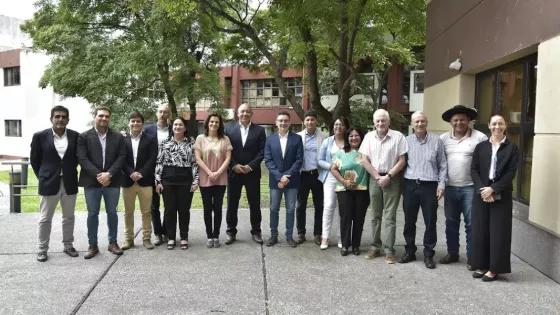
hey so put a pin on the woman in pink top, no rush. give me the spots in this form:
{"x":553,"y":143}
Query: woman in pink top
{"x":213,"y":153}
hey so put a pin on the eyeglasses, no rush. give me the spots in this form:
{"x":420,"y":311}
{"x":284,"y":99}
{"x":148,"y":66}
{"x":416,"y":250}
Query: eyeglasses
{"x":339,"y":125}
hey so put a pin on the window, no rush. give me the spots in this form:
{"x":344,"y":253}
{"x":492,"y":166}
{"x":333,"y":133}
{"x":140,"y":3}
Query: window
{"x":265,"y":93}
{"x":419,"y":83}
{"x":511,"y":91}
{"x":13,"y":128}
{"x":11,"y":76}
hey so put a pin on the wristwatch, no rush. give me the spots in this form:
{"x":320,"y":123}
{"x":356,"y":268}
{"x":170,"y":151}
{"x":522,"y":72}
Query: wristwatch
{"x":389,"y":175}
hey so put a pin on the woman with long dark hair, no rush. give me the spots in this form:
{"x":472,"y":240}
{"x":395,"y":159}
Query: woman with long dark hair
{"x":213,"y":154}
{"x":351,"y":190}
{"x":493,"y":169}
{"x":329,"y":147}
{"x":177,"y":180}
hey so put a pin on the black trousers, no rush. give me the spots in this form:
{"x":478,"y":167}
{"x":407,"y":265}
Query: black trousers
{"x":177,"y":199}
{"x":352,"y":206}
{"x":158,"y":227}
{"x":310,"y":182}
{"x":491,"y":234}
{"x":252,"y":183}
{"x":416,"y":195}
{"x":212,"y":200}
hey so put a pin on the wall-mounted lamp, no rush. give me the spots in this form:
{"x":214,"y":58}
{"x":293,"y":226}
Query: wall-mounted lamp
{"x":456,"y":65}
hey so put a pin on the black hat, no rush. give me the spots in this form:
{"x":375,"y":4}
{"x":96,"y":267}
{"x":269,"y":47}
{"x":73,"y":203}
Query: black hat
{"x":459,"y":109}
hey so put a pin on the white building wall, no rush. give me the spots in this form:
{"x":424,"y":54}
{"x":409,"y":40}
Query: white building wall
{"x":11,"y":36}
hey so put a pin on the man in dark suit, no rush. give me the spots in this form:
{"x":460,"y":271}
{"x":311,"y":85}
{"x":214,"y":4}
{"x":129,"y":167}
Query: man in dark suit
{"x":101,"y":153}
{"x":248,"y":142}
{"x":283,"y":155}
{"x":161,"y":130}
{"x":138,"y":170}
{"x":53,"y":159}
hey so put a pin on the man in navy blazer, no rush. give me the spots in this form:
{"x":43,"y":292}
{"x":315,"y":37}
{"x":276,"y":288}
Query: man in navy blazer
{"x":162,"y":130}
{"x":54,"y":161}
{"x":283,"y":155}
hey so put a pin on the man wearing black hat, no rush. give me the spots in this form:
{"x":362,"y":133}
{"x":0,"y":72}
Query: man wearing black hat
{"x":459,"y":146}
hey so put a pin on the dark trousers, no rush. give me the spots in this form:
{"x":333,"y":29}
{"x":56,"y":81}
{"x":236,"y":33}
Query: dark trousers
{"x":418,"y":194}
{"x":352,"y":206}
{"x":158,"y":227}
{"x":491,"y":234}
{"x":177,"y":199}
{"x":252,"y":183}
{"x":212,"y":200}
{"x":310,"y":182}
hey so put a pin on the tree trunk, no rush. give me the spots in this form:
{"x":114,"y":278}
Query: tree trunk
{"x":164,"y":74}
{"x":343,"y":105}
{"x":193,"y":124}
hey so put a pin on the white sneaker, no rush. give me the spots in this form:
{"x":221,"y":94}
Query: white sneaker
{"x":324,"y":246}
{"x":339,"y":243}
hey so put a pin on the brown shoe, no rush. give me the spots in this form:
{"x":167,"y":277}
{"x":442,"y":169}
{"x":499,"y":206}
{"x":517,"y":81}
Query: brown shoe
{"x":301,"y":239}
{"x":92,"y":251}
{"x":114,"y":248}
{"x":390,"y":258}
{"x":372,"y":253}
{"x":148,"y":244}
{"x":449,"y":258}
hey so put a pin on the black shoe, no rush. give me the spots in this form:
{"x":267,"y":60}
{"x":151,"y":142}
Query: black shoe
{"x":344,"y":251}
{"x":42,"y":256}
{"x":230,"y":239}
{"x":257,"y":238}
{"x":291,"y":242}
{"x":301,"y":239}
{"x":356,"y":251}
{"x":477,"y":275}
{"x":470,"y":268}
{"x":449,"y":258}
{"x":317,"y":239}
{"x":159,"y":240}
{"x":71,"y":252}
{"x":429,"y":262}
{"x":406,"y":258}
{"x":485,"y":278}
{"x":273,"y":240}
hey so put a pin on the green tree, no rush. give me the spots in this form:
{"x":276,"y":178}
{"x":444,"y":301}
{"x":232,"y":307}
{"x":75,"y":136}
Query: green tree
{"x":126,"y":54}
{"x":317,"y":34}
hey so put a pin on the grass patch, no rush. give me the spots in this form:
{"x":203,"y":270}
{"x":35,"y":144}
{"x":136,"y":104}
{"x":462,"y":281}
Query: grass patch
{"x":30,"y":202}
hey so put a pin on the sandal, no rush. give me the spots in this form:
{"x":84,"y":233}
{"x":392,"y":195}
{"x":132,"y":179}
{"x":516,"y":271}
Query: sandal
{"x":171,"y":244}
{"x":184,"y":244}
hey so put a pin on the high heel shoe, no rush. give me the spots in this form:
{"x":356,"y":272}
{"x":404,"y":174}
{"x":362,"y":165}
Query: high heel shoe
{"x":324,"y":244}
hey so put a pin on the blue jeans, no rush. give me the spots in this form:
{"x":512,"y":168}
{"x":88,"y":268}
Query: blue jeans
{"x":93,"y":202}
{"x":290,"y":196}
{"x":457,"y":200}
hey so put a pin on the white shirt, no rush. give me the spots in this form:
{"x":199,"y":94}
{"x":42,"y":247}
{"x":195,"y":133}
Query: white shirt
{"x":135,"y":143}
{"x":244,"y":132}
{"x":384,"y":153}
{"x":495,"y":148}
{"x":103,"y":141}
{"x":61,"y":143}
{"x":283,"y":142}
{"x":162,"y":134}
{"x":459,"y":154}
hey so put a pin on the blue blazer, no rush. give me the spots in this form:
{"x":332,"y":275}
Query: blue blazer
{"x":289,"y":165}
{"x":325,"y":160}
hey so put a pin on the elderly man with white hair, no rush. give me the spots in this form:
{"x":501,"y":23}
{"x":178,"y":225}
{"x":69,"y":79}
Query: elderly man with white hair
{"x":385,"y":149}
{"x":424,"y":184}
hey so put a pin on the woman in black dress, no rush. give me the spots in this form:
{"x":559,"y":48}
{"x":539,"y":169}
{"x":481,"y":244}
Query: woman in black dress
{"x":493,"y":169}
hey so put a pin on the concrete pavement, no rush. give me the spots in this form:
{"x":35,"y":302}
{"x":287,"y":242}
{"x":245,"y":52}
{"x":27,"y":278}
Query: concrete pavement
{"x":245,"y":278}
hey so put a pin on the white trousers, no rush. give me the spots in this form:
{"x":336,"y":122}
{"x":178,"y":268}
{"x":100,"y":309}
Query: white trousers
{"x":329,"y":207}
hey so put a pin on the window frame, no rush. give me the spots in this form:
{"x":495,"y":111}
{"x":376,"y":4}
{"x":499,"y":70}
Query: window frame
{"x":525,"y":129}
{"x":9,"y":71}
{"x":275,"y":101}
{"x":19,"y":132}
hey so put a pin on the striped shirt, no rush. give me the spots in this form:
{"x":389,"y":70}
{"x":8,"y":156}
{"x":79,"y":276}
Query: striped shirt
{"x":384,"y":153}
{"x":310,"y":152}
{"x":426,"y":159}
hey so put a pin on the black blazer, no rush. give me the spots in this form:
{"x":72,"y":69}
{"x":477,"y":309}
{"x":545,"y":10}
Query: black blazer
{"x":506,"y":168}
{"x":145,"y":161}
{"x":90,"y":157}
{"x":46,"y":163}
{"x":252,"y":153}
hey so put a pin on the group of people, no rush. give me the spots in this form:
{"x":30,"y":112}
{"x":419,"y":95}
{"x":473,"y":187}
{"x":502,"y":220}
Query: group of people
{"x":475,"y":174}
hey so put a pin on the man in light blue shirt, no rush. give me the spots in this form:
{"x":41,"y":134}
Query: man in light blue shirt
{"x":312,"y":139}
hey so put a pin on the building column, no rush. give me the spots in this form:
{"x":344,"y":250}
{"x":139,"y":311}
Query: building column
{"x":545,"y":199}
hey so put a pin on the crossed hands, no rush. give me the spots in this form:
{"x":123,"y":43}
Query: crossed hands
{"x":284,"y":181}
{"x":241,"y":169}
{"x":487,"y":194}
{"x":136,"y":176}
{"x":383,"y":181}
{"x":104,"y":179}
